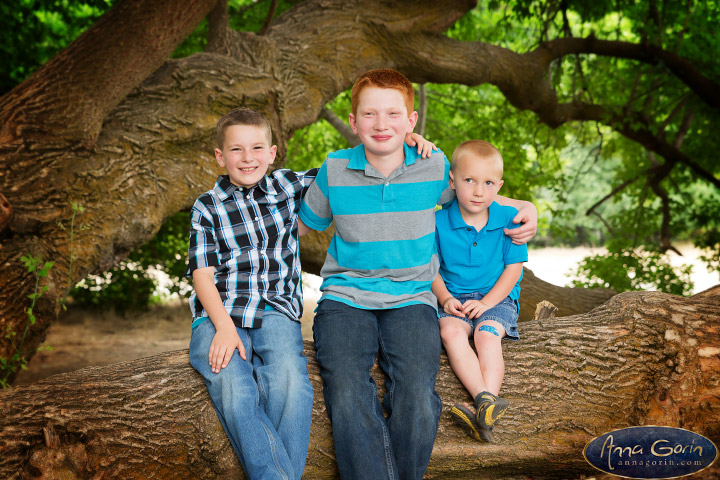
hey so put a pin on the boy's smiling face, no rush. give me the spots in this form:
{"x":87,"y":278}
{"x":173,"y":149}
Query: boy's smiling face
{"x":246,"y":154}
{"x":381,"y":122}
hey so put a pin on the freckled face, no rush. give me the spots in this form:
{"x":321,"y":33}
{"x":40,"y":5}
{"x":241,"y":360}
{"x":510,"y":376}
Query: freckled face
{"x":381,"y":122}
{"x":476,"y":182}
{"x":246,"y":154}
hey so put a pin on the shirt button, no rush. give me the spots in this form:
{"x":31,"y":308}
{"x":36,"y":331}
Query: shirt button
{"x":469,"y":229}
{"x":256,"y":218}
{"x":248,"y":197}
{"x":475,"y":244}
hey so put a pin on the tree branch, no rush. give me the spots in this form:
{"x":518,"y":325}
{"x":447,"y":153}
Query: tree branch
{"x":218,"y":28}
{"x":615,"y":190}
{"x":704,"y":87}
{"x":422,"y":109}
{"x":268,"y":18}
{"x":94,"y":74}
{"x":342,"y":127}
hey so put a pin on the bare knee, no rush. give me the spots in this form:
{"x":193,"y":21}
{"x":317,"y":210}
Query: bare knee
{"x":453,"y":333}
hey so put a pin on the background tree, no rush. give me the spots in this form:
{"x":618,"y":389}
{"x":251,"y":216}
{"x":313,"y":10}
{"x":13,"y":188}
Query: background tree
{"x":113,"y":125}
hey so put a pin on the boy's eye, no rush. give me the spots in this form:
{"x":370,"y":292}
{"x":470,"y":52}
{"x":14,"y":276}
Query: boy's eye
{"x":489,"y":183}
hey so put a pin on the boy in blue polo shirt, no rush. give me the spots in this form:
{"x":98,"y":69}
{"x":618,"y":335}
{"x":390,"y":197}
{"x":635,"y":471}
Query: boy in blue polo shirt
{"x":479,"y":282}
{"x":376,"y":301}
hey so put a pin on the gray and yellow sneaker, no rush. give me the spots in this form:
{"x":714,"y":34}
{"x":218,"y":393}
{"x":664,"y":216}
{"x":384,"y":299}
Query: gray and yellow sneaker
{"x":465,"y":417}
{"x":489,"y":409}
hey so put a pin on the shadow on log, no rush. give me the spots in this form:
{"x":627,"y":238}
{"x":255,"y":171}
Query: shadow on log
{"x":642,"y":358}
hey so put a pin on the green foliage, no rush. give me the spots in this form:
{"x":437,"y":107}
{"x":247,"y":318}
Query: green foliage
{"x":133,"y":284}
{"x":637,"y":269}
{"x":705,"y":218}
{"x":244,"y":15}
{"x":8,"y":366}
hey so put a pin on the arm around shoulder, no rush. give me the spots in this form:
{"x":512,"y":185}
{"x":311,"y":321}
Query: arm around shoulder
{"x":527,"y":215}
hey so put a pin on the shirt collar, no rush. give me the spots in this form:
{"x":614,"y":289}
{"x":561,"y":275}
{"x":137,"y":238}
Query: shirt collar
{"x":225,"y":189}
{"x":495,"y":220}
{"x":358,"y":160}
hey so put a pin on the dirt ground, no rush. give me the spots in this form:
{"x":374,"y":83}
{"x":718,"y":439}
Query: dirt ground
{"x":83,"y":338}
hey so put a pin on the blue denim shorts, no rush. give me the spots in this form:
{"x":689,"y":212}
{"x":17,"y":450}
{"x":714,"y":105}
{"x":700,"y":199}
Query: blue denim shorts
{"x":505,"y":313}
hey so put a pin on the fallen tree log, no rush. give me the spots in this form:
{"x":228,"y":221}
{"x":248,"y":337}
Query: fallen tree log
{"x":642,"y":358}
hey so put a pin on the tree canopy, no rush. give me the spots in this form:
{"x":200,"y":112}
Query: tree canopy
{"x":603,"y":108}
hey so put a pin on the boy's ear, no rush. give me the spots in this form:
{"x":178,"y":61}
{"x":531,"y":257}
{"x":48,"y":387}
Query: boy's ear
{"x":413,"y":118}
{"x":273,"y":152}
{"x":219,"y":157}
{"x":452,"y":180}
{"x":500,"y":184}
{"x":351,"y":119}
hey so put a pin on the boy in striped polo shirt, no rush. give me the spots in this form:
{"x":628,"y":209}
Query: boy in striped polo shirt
{"x":376,"y":300}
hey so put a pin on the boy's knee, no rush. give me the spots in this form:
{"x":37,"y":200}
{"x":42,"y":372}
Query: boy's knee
{"x":490,"y":329}
{"x":453,"y":333}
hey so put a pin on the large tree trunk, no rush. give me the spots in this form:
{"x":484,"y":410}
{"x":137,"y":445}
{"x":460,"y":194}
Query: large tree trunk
{"x":639,"y":359}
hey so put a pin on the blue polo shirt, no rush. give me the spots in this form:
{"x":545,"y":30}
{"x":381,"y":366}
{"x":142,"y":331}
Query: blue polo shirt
{"x":472,"y":261}
{"x":382,"y":254}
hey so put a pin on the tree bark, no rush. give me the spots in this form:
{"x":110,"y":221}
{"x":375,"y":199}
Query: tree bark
{"x":640,"y":359}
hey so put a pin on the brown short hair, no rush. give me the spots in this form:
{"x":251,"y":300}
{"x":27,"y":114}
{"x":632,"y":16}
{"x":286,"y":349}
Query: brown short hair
{"x":383,"y":78}
{"x":242,"y":116}
{"x":478,"y":149}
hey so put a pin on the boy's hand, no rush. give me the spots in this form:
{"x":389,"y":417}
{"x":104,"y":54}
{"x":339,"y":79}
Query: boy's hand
{"x":528,"y":216}
{"x":474,"y":308}
{"x":222,"y":348}
{"x":425,"y":147}
{"x":452,"y":306}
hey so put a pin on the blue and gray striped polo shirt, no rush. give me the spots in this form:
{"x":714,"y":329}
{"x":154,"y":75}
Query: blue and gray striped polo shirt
{"x":383,"y":253}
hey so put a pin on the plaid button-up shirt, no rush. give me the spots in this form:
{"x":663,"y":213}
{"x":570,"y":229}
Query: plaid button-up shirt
{"x":250,"y":236}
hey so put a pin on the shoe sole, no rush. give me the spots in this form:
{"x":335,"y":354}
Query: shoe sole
{"x":464,"y":417}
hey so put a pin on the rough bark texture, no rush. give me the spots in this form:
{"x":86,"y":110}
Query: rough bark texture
{"x":639,"y":359}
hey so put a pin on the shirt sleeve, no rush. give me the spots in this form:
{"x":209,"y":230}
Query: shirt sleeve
{"x":448,"y":194}
{"x":315,"y":211}
{"x":203,"y":249}
{"x":513,"y":253}
{"x":306,"y":179}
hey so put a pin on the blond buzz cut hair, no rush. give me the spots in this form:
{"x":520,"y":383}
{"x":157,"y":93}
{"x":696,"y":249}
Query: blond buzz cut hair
{"x":478,"y":149}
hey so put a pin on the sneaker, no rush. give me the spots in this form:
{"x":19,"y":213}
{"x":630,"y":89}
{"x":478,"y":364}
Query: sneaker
{"x":465,"y":417}
{"x":489,"y":409}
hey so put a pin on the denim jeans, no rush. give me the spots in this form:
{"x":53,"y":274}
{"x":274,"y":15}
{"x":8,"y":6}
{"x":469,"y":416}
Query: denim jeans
{"x":265,"y":402}
{"x":406,"y":341}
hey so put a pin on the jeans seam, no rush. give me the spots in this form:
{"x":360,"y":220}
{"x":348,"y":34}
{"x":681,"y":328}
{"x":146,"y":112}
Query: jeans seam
{"x":386,"y":432}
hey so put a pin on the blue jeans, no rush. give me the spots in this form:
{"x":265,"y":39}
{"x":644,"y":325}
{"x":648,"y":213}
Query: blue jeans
{"x":406,"y":341}
{"x":265,"y":402}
